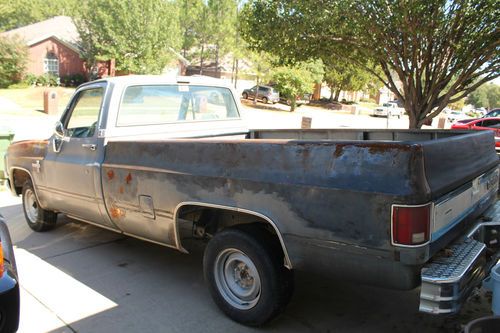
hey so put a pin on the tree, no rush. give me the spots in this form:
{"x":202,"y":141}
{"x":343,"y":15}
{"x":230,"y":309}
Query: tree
{"x":223,"y":15}
{"x":140,"y":35}
{"x":298,"y":80}
{"x":262,"y":64}
{"x":486,"y":96}
{"x":15,"y":14}
{"x":13,"y":58}
{"x":342,"y":75}
{"x":432,"y":52}
{"x":190,"y":14}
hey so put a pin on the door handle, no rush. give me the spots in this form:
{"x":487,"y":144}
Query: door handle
{"x":91,"y":146}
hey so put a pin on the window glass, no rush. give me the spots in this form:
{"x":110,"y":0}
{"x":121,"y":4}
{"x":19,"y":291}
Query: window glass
{"x":489,"y":123}
{"x":160,"y":104}
{"x":85,"y":114}
{"x":51,"y":64}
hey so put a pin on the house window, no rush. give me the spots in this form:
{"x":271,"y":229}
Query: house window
{"x":51,"y":64}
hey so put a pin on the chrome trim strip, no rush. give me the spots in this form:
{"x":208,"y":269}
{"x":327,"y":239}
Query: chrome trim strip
{"x":288,"y":263}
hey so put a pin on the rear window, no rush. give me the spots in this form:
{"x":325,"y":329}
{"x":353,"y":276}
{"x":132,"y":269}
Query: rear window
{"x":160,"y":104}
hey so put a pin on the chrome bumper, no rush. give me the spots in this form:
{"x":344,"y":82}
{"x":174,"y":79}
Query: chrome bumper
{"x":449,"y":278}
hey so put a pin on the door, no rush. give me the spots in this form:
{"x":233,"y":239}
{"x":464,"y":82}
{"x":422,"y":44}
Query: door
{"x":72,"y":164}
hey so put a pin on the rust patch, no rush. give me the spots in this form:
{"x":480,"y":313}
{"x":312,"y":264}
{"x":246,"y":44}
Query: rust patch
{"x":111,"y":174}
{"x":121,"y":190}
{"x":116,"y":212}
{"x":128,"y":179}
{"x":339,"y":150}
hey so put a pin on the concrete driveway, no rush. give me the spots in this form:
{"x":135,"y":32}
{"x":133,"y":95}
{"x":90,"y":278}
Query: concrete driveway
{"x":80,"y":278}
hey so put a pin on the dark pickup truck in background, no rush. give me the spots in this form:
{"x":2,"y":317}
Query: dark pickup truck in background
{"x":165,"y":160}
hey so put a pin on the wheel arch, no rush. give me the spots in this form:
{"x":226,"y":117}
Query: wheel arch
{"x":17,"y":177}
{"x":253,"y":216}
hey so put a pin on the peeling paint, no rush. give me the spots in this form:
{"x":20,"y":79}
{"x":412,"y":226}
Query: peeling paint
{"x":111,"y":174}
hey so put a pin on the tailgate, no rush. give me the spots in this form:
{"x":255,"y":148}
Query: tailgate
{"x":451,"y":162}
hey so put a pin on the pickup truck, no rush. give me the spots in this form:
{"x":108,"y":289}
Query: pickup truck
{"x":387,"y":110}
{"x":166,"y":160}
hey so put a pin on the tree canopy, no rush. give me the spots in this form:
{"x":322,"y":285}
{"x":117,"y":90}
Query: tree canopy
{"x":140,"y":35}
{"x":487,"y":96}
{"x":13,"y":58}
{"x":431,"y":52}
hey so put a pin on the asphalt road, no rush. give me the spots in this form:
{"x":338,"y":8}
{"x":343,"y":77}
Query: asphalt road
{"x":80,"y":278}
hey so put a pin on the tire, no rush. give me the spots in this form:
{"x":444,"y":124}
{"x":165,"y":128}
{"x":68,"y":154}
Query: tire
{"x":245,"y":95}
{"x":37,"y":218}
{"x":264,"y":100}
{"x":264,"y":287}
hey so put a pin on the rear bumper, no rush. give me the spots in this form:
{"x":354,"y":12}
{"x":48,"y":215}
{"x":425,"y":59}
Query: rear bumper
{"x":449,"y":278}
{"x":9,"y":285}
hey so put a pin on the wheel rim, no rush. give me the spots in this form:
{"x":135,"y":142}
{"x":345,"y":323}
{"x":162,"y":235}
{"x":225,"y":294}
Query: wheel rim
{"x":237,"y":279}
{"x":30,"y":205}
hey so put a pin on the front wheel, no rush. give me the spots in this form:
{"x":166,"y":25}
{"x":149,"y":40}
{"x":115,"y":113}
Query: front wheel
{"x":245,"y":95}
{"x":37,"y":218}
{"x":264,"y":100}
{"x":246,"y":276}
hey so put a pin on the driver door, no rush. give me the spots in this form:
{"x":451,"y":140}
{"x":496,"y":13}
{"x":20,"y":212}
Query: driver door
{"x":72,"y":164}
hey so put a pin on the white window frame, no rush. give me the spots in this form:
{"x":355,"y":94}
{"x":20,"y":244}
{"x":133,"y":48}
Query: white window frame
{"x":51,"y":64}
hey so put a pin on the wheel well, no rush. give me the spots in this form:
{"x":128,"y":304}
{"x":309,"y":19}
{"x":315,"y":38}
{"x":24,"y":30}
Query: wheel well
{"x":19,"y":177}
{"x":202,"y":223}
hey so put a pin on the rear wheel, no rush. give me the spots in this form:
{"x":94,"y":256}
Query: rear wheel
{"x":246,"y":276}
{"x":245,"y":95}
{"x":37,"y":218}
{"x":264,"y":100}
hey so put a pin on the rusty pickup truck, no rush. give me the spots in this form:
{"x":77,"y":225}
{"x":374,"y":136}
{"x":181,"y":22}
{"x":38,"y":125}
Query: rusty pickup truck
{"x":165,"y":160}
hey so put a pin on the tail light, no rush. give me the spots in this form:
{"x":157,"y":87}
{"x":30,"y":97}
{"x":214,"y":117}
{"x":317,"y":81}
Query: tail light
{"x":411,"y":224}
{"x":1,"y":260}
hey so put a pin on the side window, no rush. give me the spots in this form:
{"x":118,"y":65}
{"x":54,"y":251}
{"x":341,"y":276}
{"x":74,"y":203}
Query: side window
{"x":490,"y":123}
{"x":85,"y":114}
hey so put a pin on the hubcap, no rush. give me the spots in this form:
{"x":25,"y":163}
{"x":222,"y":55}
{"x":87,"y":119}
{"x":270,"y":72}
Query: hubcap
{"x":30,"y":205}
{"x":237,"y":279}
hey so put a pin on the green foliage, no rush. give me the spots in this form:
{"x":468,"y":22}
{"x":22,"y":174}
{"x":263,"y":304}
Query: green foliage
{"x":18,"y":13}
{"x":190,"y":13}
{"x":343,"y":75}
{"x":140,"y":35}
{"x":73,"y":80}
{"x":13,"y":58}
{"x":432,"y":52}
{"x":293,"y":82}
{"x":47,"y":80}
{"x":486,"y":96}
{"x":458,"y":105}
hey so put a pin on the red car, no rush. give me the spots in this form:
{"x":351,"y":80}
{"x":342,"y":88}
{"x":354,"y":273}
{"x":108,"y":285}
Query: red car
{"x":481,"y":124}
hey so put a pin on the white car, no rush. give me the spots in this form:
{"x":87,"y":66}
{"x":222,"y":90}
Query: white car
{"x":388,"y":109}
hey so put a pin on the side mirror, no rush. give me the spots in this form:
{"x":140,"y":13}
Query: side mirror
{"x":59,"y":130}
{"x":59,"y":134}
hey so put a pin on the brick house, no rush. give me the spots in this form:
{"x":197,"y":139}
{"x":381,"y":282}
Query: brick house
{"x":53,"y":48}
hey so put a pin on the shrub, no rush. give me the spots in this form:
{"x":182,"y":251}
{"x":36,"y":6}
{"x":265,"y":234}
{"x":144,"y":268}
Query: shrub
{"x":13,"y":58}
{"x":30,"y":79}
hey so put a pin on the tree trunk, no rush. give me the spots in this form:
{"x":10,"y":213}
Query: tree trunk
{"x":201,"y":58}
{"x":256,"y":92}
{"x":331,"y":94}
{"x":233,"y":69}
{"x":217,"y":61}
{"x":236,"y":75}
{"x":337,"y":95}
{"x":293,"y":104}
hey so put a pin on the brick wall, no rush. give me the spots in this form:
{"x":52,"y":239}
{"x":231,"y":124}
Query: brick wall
{"x":69,"y":60}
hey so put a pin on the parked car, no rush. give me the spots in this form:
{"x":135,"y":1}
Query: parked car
{"x":492,"y":114}
{"x":388,"y":109}
{"x":482,"y":124}
{"x":299,"y":100}
{"x":453,"y":116}
{"x":266,"y":94}
{"x":9,"y":284}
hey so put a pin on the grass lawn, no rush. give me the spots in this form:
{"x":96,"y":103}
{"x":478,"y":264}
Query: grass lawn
{"x":30,"y":100}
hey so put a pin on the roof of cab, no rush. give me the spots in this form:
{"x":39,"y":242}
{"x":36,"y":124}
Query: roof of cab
{"x":161,"y":79}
